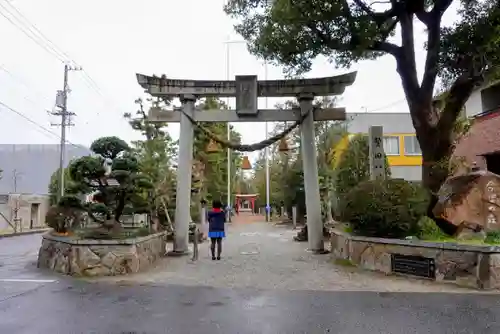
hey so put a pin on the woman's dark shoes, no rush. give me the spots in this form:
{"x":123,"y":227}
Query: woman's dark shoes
{"x":218,"y":257}
{"x":213,"y":258}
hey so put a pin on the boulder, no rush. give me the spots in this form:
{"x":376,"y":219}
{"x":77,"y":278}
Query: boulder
{"x":471,"y":202}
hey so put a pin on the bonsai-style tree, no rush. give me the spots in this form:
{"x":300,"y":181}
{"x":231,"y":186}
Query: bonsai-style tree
{"x":463,"y":55}
{"x":111,"y":176}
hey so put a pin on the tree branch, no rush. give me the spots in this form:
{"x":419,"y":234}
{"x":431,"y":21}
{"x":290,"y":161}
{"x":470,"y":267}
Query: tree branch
{"x":440,"y":6}
{"x":121,"y":206}
{"x":379,"y":17}
{"x":433,"y":23}
{"x":406,"y":65}
{"x":459,"y":93}
{"x":380,"y":46}
{"x":424,"y":17}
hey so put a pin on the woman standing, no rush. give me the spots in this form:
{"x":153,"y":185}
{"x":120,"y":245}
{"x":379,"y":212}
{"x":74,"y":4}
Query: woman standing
{"x":216,"y":231}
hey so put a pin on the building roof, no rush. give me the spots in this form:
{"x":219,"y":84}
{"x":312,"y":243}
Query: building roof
{"x":33,"y":164}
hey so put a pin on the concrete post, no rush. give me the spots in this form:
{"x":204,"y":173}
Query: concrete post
{"x":377,"y":154}
{"x":184,"y":172}
{"x":203,"y":220}
{"x":311,"y":183}
{"x":294,"y":217}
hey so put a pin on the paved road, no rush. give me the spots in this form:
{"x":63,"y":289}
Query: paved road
{"x":33,"y":302}
{"x":18,"y":272}
{"x":264,"y":256}
{"x":111,"y":309}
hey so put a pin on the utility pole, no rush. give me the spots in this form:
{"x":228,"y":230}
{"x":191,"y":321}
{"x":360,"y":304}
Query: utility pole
{"x":17,"y":221}
{"x":62,"y":111}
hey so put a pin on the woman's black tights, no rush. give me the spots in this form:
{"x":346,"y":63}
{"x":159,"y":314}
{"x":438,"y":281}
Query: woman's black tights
{"x":217,"y":241}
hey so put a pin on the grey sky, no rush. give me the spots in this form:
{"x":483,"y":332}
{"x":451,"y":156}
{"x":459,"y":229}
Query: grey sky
{"x":114,"y":39}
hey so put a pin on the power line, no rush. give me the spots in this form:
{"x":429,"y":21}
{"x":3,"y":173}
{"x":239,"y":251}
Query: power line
{"x":25,"y":31}
{"x":22,"y":82}
{"x":387,"y":106}
{"x":34,"y":122}
{"x":35,"y":28}
{"x":49,"y":46}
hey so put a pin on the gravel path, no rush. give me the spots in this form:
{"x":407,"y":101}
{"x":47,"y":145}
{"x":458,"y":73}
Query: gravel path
{"x":264,"y":256}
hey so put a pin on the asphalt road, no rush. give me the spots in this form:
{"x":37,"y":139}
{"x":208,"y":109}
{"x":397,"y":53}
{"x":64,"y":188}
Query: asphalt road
{"x":103,"y":308}
{"x":32,"y":302}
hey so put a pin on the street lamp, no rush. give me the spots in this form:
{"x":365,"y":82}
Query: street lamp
{"x":268,"y":206}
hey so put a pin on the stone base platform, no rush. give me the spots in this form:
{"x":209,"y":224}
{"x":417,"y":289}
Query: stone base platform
{"x":475,"y":266}
{"x":86,"y":257}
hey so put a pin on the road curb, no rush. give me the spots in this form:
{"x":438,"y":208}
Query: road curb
{"x":24,"y":233}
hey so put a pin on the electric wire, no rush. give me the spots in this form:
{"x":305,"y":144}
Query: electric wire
{"x":21,"y":22}
{"x":30,"y":120}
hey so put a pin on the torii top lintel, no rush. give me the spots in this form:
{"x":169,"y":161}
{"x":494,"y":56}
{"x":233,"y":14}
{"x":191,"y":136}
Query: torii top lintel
{"x":327,"y":86}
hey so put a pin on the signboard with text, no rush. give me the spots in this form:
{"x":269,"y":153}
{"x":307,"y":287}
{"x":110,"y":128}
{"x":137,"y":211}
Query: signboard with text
{"x":377,"y":154}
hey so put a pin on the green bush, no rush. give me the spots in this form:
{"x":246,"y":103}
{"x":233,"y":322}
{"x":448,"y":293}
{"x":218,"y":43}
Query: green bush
{"x":428,"y":230}
{"x":492,"y":237}
{"x":385,"y":208}
{"x":354,"y":167}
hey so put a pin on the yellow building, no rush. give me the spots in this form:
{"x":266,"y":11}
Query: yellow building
{"x":400,"y":143}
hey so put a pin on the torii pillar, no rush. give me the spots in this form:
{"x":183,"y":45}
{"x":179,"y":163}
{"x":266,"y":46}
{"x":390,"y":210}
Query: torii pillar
{"x":310,"y":167}
{"x":184,"y":173}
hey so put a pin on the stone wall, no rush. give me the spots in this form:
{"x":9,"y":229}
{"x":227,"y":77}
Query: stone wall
{"x":473,"y":266}
{"x":100,"y":257}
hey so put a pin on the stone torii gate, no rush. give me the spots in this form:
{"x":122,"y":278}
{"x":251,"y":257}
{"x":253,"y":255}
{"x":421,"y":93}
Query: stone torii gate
{"x":247,"y":89}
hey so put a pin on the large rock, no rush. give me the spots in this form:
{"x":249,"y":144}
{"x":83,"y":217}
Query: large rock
{"x":471,"y":202}
{"x":76,"y":257}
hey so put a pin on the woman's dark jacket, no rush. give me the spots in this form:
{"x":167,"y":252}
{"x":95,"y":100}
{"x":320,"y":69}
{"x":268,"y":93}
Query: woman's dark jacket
{"x":216,"y":220}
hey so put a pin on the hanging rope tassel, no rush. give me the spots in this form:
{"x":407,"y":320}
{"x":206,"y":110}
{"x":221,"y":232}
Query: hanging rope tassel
{"x":244,"y":147}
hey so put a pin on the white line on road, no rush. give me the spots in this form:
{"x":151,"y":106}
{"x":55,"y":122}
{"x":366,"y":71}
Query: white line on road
{"x":22,"y":280}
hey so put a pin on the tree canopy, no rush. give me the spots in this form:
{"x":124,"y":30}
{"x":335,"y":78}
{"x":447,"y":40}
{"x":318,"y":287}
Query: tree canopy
{"x":463,"y":55}
{"x":294,"y":33}
{"x":113,"y":179}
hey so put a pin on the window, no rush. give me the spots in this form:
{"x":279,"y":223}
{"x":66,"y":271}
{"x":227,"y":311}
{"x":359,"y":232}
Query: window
{"x":411,"y":146}
{"x":391,"y":145}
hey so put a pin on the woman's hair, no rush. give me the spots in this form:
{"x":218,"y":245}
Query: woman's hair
{"x":217,"y":204}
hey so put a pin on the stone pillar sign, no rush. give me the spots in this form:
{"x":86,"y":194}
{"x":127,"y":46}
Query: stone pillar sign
{"x":377,"y":154}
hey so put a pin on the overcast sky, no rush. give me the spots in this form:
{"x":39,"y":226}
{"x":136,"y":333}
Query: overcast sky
{"x":112,"y":40}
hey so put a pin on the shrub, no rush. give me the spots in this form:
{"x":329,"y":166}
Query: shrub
{"x":354,"y":167}
{"x":63,"y":219}
{"x":492,"y":237}
{"x":428,"y":230}
{"x":385,"y":208}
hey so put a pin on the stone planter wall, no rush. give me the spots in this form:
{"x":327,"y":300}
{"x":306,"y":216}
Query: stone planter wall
{"x":463,"y":265}
{"x":100,"y":257}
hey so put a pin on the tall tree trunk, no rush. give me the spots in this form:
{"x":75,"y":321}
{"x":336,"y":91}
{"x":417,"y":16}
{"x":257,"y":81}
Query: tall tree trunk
{"x":434,"y":174}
